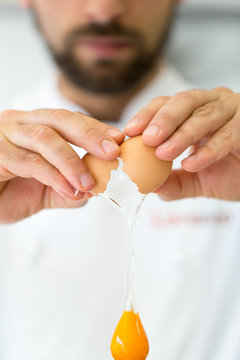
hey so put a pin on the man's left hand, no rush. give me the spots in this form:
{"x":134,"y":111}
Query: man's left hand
{"x":207,"y":121}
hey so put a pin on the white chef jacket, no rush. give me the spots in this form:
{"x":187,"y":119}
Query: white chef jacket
{"x":63,"y":277}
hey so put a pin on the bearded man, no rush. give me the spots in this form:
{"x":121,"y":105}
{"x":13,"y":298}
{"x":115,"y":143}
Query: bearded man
{"x":64,"y":269}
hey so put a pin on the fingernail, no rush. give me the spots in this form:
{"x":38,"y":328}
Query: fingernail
{"x":153,"y":130}
{"x":133,"y":123}
{"x":191,"y":158}
{"x":79,"y":195}
{"x":76,"y":193}
{"x":109,"y":146}
{"x":166,"y":144}
{"x":87,"y":180}
{"x":114,"y":132}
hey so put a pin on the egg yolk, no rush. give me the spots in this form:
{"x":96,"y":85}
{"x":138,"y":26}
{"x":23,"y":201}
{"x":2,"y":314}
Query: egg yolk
{"x":129,"y":340}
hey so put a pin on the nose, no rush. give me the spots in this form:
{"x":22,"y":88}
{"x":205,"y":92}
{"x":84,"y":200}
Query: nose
{"x":103,"y":11}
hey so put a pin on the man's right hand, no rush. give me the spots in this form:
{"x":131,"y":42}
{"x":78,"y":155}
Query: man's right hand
{"x":39,"y":169}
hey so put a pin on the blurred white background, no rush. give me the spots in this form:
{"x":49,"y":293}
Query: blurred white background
{"x":204,"y":46}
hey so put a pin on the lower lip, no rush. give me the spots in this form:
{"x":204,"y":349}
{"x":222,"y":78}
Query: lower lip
{"x":105,"y":48}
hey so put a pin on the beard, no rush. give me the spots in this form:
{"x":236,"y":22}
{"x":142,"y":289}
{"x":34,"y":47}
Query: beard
{"x":108,"y":76}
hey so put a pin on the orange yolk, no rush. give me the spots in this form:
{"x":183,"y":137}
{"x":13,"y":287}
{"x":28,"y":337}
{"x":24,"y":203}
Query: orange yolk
{"x":129,"y":340}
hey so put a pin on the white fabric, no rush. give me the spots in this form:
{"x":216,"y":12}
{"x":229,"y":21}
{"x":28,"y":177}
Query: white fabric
{"x":63,"y":277}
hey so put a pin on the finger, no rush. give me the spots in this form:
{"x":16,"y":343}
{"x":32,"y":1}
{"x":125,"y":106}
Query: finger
{"x":53,"y":148}
{"x":178,"y":109}
{"x":27,"y":164}
{"x":143,"y":117}
{"x":180,"y":184}
{"x":206,"y":120}
{"x":5,"y":175}
{"x":81,"y":130}
{"x":53,"y":200}
{"x":215,"y":148}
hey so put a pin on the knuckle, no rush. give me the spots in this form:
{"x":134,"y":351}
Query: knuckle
{"x":90,"y":132}
{"x":35,"y":159}
{"x":42,"y":133}
{"x":88,"y":121}
{"x":164,"y":116}
{"x":203,"y":111}
{"x":145,"y":113}
{"x":72,"y":158}
{"x":159,"y":99}
{"x":212,"y":147}
{"x":220,"y":105}
{"x":155,"y":99}
{"x":189,"y":95}
{"x":59,"y":114}
{"x":209,"y":109}
{"x":8,"y":114}
{"x":225,"y":134}
{"x":224,"y":89}
{"x":187,"y":134}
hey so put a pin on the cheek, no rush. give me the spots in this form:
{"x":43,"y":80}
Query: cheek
{"x":52,"y":17}
{"x":56,"y":19}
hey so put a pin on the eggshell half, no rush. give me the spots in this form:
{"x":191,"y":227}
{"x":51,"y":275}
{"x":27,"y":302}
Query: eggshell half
{"x":101,"y":171}
{"x":142,"y":165}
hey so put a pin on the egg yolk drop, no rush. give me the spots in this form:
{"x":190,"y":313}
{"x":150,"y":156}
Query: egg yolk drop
{"x":129,"y":340}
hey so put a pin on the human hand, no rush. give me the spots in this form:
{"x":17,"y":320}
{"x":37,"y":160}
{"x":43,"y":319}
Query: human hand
{"x":207,"y":121}
{"x":39,"y":169}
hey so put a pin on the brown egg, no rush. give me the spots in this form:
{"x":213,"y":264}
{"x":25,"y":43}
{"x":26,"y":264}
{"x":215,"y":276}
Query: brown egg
{"x":139,"y":163}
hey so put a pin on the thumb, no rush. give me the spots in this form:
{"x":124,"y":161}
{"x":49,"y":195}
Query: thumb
{"x":53,"y":200}
{"x":180,"y":184}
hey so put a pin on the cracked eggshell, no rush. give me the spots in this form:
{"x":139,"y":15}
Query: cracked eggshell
{"x":142,"y":165}
{"x":139,"y":163}
{"x":101,"y":171}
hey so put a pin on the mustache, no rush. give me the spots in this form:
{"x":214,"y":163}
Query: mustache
{"x":110,"y":29}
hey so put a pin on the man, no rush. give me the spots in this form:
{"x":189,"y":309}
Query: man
{"x":64,"y":270}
